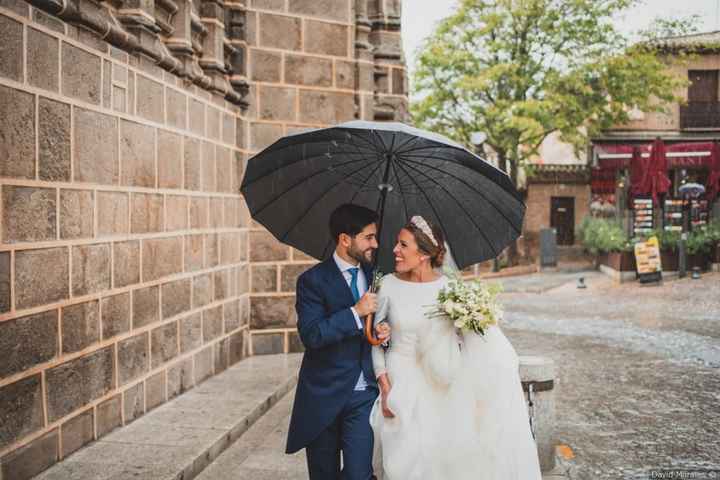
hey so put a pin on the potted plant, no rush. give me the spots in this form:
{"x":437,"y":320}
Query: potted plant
{"x":668,"y":243}
{"x":713,"y":231}
{"x":606,"y":240}
{"x":699,"y":245}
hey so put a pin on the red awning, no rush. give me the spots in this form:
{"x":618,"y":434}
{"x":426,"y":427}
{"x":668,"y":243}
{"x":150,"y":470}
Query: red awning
{"x":602,"y":181}
{"x":689,"y":154}
{"x":713,"y":185}
{"x":649,"y":174}
{"x":648,"y":169}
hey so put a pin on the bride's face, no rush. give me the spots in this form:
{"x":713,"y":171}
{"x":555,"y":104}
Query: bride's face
{"x":407,"y":254}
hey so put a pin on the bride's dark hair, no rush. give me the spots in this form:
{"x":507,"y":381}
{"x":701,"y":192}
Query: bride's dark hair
{"x":436,"y":253}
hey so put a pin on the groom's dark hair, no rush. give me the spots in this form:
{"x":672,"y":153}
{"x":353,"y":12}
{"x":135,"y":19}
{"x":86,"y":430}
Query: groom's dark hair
{"x":350,"y":219}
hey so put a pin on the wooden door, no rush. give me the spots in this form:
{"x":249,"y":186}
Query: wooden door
{"x":562,"y":219}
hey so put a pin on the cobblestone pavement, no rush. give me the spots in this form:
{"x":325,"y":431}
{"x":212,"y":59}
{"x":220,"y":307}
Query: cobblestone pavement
{"x":638,"y":378}
{"x":638,"y":371}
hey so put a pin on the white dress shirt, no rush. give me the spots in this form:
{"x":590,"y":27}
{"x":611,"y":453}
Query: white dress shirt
{"x":362,"y":288}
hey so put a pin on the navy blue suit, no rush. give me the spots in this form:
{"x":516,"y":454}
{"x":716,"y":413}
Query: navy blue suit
{"x":328,"y":414}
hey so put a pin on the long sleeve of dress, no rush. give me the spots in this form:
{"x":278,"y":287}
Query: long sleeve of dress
{"x":378,"y":352}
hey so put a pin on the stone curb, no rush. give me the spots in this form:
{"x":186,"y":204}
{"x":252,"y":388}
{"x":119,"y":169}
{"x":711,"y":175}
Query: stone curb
{"x":179,"y":439}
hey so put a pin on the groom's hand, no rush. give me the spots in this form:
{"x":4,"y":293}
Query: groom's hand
{"x":367,"y":304}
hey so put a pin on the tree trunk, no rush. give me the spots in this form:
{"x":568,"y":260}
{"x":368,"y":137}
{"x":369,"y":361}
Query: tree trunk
{"x":512,"y":251}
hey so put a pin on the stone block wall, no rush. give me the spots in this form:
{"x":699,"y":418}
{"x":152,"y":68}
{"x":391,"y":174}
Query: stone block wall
{"x":124,"y":275}
{"x":130,"y":270}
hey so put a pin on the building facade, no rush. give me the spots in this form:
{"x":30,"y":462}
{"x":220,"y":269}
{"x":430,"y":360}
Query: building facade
{"x":643,"y":164}
{"x":130,"y":270}
{"x":616,"y":179}
{"x":558,"y":197}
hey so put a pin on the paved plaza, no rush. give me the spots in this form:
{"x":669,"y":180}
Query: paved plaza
{"x":638,"y":377}
{"x":638,"y":368}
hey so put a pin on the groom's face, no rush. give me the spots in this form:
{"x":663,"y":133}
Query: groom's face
{"x":363,"y":245}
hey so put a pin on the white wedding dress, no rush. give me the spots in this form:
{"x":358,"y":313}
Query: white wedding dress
{"x":460,"y":413}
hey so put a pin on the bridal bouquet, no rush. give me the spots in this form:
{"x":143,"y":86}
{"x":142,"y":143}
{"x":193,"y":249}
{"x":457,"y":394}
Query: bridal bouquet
{"x":471,"y":305}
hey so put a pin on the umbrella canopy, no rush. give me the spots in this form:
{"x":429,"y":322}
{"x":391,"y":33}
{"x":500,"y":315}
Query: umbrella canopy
{"x":693,"y":190}
{"x":292,"y":186}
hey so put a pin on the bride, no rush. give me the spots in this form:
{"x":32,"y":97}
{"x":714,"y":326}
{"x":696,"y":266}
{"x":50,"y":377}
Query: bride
{"x":450,"y":408}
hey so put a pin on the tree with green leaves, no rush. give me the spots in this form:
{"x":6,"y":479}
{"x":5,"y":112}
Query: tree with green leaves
{"x":520,"y":70}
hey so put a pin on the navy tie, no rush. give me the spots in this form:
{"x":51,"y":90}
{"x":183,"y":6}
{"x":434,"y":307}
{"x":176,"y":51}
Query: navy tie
{"x":353,"y":283}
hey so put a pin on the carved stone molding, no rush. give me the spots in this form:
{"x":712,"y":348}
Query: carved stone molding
{"x":180,"y":36}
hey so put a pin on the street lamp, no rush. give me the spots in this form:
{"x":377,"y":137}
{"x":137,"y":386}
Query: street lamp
{"x":687,"y":190}
{"x":478,"y":139}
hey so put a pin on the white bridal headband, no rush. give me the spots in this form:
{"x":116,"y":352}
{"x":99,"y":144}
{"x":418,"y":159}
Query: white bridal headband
{"x":420,"y":223}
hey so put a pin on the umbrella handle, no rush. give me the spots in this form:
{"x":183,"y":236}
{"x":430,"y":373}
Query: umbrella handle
{"x":369,"y":334}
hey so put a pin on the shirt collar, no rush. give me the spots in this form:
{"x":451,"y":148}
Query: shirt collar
{"x":342,"y":264}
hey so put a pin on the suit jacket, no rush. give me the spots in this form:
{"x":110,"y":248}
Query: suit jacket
{"x":335,"y":352}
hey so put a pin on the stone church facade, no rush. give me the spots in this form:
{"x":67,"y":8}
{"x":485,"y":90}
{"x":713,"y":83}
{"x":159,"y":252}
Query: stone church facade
{"x":130,"y":270}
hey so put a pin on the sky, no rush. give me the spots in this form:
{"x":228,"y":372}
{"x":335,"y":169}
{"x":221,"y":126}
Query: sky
{"x":420,"y":16}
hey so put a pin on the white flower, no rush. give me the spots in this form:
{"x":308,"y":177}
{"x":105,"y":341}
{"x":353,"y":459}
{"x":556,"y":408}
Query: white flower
{"x":449,"y":307}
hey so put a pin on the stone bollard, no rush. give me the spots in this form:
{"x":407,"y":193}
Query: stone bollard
{"x":539,"y":372}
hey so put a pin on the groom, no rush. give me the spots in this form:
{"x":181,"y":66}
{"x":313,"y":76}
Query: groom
{"x":337,"y":386}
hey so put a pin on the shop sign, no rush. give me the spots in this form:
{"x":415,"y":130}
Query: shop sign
{"x":647,"y":258}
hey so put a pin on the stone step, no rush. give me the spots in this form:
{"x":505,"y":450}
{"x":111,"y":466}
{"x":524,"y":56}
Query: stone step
{"x":179,"y":439}
{"x":260,"y":453}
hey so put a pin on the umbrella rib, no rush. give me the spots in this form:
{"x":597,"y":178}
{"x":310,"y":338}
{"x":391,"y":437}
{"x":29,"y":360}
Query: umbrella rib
{"x":357,"y":147}
{"x":440,"y":146}
{"x":333,"y":187}
{"x":304,"y":180}
{"x":469,"y":167}
{"x":461,"y":180}
{"x":402,"y":194}
{"x":371,"y":146}
{"x":378,"y":159}
{"x":442,"y":159}
{"x":427,"y":199}
{"x":307,"y":142}
{"x":355,"y":194}
{"x":461,"y":208}
{"x":382,"y":143}
{"x":267,"y":174}
{"x":413,"y":139}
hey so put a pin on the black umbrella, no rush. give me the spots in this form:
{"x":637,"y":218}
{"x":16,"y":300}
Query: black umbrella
{"x":293,"y":185}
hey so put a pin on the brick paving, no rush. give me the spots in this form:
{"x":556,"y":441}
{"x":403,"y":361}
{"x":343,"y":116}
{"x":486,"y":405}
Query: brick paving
{"x":639,"y":383}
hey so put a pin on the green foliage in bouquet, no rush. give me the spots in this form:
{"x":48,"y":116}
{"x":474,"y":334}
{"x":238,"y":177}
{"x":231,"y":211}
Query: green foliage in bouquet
{"x":470,"y":304}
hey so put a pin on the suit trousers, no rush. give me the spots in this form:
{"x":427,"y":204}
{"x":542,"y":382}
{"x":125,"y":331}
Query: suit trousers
{"x":350,"y":433}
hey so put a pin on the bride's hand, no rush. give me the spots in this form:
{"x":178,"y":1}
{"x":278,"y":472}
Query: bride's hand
{"x":385,"y":387}
{"x":382,"y":331}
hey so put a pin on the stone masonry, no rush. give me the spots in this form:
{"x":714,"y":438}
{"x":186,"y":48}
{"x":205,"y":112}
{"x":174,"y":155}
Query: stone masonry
{"x":130,"y":270}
